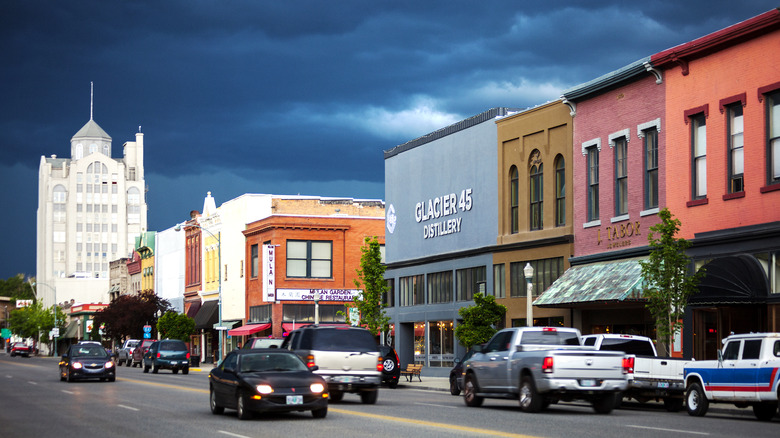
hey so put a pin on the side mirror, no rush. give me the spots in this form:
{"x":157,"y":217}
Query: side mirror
{"x":478,"y":348}
{"x":720,"y":355}
{"x":64,"y":356}
{"x":457,"y":360}
{"x":229,"y":369}
{"x":314,"y":368}
{"x":521,"y":348}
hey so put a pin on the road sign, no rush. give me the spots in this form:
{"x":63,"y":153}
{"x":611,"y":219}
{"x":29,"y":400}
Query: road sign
{"x":55,"y":332}
{"x":147,"y":329}
{"x":147,"y":336}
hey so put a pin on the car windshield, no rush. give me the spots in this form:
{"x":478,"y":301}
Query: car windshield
{"x":89,"y":351}
{"x":258,"y":362}
{"x":336,"y":339}
{"x":132,"y":344}
{"x":173,"y":346}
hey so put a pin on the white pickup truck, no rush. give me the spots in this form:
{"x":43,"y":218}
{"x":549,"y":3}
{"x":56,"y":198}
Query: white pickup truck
{"x":543,"y":365}
{"x":746,"y":373}
{"x":649,"y":376}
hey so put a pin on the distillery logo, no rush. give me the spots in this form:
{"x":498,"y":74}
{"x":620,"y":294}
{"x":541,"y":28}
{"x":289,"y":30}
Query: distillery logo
{"x":391,"y":219}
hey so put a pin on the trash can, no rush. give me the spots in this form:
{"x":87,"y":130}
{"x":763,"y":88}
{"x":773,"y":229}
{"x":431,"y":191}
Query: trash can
{"x":195,"y":361}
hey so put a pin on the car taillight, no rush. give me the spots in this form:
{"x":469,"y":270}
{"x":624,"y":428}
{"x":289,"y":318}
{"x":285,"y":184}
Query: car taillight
{"x":547,"y":365}
{"x":158,"y":355}
{"x":310,"y":361}
{"x":379,"y":366}
{"x":549,"y":329}
{"x":188,"y":355}
{"x":628,"y":365}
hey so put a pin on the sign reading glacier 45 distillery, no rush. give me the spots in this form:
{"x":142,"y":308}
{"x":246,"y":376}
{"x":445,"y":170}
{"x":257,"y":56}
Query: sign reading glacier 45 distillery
{"x":440,"y":216}
{"x":269,"y":273}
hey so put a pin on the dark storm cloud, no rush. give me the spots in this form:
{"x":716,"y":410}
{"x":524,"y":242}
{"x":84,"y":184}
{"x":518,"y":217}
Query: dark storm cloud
{"x":295,"y":96}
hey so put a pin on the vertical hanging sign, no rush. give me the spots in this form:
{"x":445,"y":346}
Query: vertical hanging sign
{"x":269,"y":273}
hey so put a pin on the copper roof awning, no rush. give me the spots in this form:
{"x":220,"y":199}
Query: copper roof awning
{"x":614,"y":281}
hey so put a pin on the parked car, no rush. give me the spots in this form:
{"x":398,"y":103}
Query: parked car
{"x":266,"y":380}
{"x":168,"y":354}
{"x":649,"y":376}
{"x":456,"y":373}
{"x":543,"y":365}
{"x":263,"y":343}
{"x":140,"y":349}
{"x":21,"y":349}
{"x":87,"y":361}
{"x":125,"y":355}
{"x":745,"y":373}
{"x":391,"y":371}
{"x":346,"y":357}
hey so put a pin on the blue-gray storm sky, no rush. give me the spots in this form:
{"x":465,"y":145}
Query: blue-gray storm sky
{"x":292,"y":97}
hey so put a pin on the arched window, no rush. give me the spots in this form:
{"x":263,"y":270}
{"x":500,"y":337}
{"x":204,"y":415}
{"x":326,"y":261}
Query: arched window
{"x":560,"y":191}
{"x":513,"y":201}
{"x":536,"y":195}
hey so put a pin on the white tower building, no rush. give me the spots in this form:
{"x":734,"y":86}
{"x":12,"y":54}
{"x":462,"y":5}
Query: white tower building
{"x":91,"y":207}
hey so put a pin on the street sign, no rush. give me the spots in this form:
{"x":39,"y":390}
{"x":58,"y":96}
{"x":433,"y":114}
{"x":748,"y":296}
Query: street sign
{"x":147,"y":329}
{"x":147,"y":336}
{"x":55,"y":332}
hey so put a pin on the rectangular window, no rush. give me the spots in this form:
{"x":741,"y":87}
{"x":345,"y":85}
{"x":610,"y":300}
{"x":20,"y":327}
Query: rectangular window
{"x":699,"y":156}
{"x":773,"y":136}
{"x":254,"y":261}
{"x":651,"y":168}
{"x":411,"y":290}
{"x":388,"y":297}
{"x":536,"y":189}
{"x":309,"y":259}
{"x":499,"y":281}
{"x":621,"y":176}
{"x":560,"y":192}
{"x":546,"y":271}
{"x":736,"y":161}
{"x":440,"y":287}
{"x":513,"y":199}
{"x":593,"y":183}
{"x":258,"y":314}
{"x":468,"y":282}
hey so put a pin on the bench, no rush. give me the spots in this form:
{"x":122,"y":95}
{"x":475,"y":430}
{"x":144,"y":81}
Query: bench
{"x":411,"y":371}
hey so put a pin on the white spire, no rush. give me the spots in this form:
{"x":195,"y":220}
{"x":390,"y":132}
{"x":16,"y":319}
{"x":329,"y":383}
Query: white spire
{"x":91,"y":97}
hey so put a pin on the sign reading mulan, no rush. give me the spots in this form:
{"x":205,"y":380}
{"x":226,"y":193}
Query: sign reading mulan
{"x":441,"y":207}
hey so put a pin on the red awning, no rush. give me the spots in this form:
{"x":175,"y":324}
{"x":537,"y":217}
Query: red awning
{"x":248,"y":329}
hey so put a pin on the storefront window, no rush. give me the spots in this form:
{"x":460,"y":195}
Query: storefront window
{"x":419,"y":343}
{"x":441,"y":344}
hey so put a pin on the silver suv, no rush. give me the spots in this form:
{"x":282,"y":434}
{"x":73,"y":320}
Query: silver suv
{"x":346,"y":357}
{"x":125,"y":355}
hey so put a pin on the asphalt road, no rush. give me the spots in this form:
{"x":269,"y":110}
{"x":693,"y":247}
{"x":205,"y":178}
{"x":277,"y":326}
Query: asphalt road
{"x":34,"y":403}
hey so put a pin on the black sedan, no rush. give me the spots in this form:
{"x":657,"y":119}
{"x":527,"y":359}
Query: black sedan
{"x":266,"y":380}
{"x":87,"y":361}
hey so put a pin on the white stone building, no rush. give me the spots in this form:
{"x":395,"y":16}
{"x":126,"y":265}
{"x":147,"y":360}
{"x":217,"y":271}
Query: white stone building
{"x":91,"y":207}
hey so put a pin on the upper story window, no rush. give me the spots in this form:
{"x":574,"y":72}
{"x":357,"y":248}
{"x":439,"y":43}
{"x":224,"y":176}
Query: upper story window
{"x":773,"y":137}
{"x":133,"y":205}
{"x":536,"y":188}
{"x":651,"y":168}
{"x":309,"y":259}
{"x":513,"y":198}
{"x":621,"y":176}
{"x":411,"y":290}
{"x":560,"y":191}
{"x":736,"y":163}
{"x":440,"y":287}
{"x":592,"y":155}
{"x":253,"y":256}
{"x":699,"y":156}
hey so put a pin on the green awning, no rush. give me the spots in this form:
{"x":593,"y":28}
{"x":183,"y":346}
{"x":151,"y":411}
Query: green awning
{"x":614,"y":281}
{"x":72,"y":330}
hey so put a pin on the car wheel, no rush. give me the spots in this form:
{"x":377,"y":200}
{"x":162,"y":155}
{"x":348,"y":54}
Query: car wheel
{"x":697,"y":401}
{"x":336,"y":396}
{"x":69,"y":378}
{"x":470,"y":393}
{"x":673,"y":404}
{"x":175,"y":371}
{"x":604,"y":404}
{"x":129,"y":362}
{"x":765,"y":411}
{"x":155,"y":369}
{"x":119,"y":362}
{"x":319,"y":413}
{"x":215,"y":408}
{"x":146,"y":368}
{"x":454,"y":388}
{"x":393,"y":384}
{"x":369,"y":397}
{"x":62,"y":376}
{"x":530,"y":400}
{"x":241,"y":410}
{"x":185,"y":370}
{"x":388,"y":365}
{"x":112,"y":379}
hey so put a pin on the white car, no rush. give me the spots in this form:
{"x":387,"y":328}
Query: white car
{"x":125,"y":355}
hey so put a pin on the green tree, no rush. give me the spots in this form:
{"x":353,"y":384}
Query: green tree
{"x":372,"y":284}
{"x":17,"y":288}
{"x":479,"y":320}
{"x":35,"y":321}
{"x":126,"y":316}
{"x":667,"y":283}
{"x":174,"y":325}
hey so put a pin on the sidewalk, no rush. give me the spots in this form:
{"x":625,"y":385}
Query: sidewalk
{"x":427,"y":383}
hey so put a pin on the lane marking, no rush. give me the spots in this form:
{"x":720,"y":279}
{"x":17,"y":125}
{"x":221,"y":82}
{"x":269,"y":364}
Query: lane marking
{"x":67,"y":392}
{"x":661,"y":429}
{"x":31,"y":382}
{"x":129,"y":407}
{"x":471,"y":430}
{"x":232,"y":434}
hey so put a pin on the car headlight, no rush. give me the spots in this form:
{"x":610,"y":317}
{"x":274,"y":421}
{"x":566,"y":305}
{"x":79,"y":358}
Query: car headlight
{"x":264,"y":389}
{"x":317,"y":388}
{"x":109,"y":364}
{"x":76,"y":365}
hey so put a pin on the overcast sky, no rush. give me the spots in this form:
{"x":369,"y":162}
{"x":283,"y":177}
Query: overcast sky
{"x":292,"y":97}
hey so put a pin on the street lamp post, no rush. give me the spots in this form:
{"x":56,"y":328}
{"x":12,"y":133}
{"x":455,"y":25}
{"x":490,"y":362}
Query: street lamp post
{"x":219,"y":276}
{"x":54,"y":289}
{"x":529,"y":311}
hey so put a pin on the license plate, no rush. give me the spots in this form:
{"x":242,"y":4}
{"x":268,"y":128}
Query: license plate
{"x":294,"y":399}
{"x":588,"y":382}
{"x":343,"y":379}
{"x":663,"y":384}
